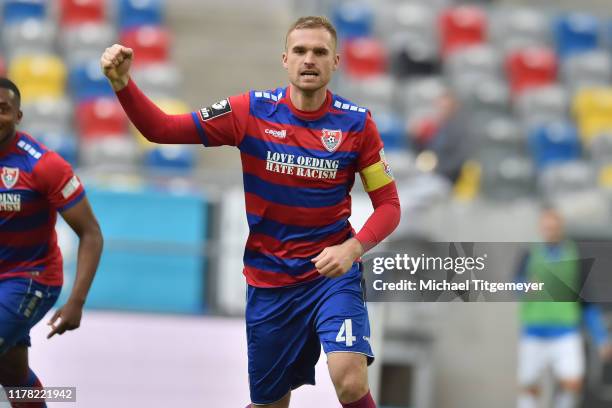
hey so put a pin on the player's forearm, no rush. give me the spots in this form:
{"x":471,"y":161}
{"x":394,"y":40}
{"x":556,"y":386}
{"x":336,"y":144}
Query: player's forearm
{"x":154,"y":124}
{"x":384,"y":219}
{"x":90,"y":249}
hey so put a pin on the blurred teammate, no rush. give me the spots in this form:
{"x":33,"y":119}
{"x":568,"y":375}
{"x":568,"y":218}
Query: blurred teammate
{"x":300,"y":147}
{"x":551,"y":330}
{"x":35,"y":184}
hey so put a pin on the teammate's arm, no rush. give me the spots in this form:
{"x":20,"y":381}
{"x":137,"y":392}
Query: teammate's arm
{"x":154,"y":124}
{"x":81,"y":219}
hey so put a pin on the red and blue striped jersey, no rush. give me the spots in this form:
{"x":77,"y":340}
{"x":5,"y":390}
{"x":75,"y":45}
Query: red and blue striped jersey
{"x":35,"y":183}
{"x":298,"y":171}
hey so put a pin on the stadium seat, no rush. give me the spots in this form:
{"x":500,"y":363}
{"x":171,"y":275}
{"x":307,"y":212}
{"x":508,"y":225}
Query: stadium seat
{"x":47,"y":115}
{"x":567,"y":177}
{"x":150,"y":43}
{"x":462,"y":26}
{"x":65,"y":144}
{"x":501,"y":135}
{"x":508,"y":178}
{"x":553,"y":143}
{"x":576,"y":33}
{"x":541,"y":105}
{"x":158,"y":80}
{"x":87,"y":81}
{"x":364,"y":57}
{"x":478,"y":60}
{"x":38,"y":76}
{"x":75,"y":12}
{"x":411,"y":55}
{"x":85,"y":42}
{"x":29,"y":37}
{"x":592,"y":108}
{"x":136,"y":13}
{"x":417,"y":98}
{"x":109,"y":151}
{"x":353,"y":19}
{"x":531,"y":68}
{"x":587,"y":69}
{"x":392,"y":131}
{"x":17,"y":11}
{"x":100,"y":117}
{"x":600,"y":149}
{"x":171,"y":157}
{"x":489,"y":96}
{"x":513,"y":28}
{"x":376,"y":93}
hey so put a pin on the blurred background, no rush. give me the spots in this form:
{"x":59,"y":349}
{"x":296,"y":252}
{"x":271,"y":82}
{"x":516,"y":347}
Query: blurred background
{"x":487,"y":109}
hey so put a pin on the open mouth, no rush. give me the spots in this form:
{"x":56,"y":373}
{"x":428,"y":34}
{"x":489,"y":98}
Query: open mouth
{"x":309,"y":74}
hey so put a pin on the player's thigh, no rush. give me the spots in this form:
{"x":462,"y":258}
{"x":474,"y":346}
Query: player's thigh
{"x":282,"y":346}
{"x":342,"y":321}
{"x":569,"y":361}
{"x":14,"y":366}
{"x":533,"y":358}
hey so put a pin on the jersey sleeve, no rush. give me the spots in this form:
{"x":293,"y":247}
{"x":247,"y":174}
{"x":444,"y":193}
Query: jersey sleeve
{"x":223,"y":123}
{"x":373,"y":168}
{"x":57,"y":181}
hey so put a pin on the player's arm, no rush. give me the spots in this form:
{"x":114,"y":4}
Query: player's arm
{"x":155,"y":125}
{"x":81,"y":219}
{"x":379,"y":184}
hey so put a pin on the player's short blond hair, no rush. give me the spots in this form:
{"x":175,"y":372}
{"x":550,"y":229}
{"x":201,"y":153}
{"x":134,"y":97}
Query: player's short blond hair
{"x":313,"y":22}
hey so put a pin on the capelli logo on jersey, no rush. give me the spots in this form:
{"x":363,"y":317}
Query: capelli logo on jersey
{"x":10,"y":202}
{"x":280,"y":134}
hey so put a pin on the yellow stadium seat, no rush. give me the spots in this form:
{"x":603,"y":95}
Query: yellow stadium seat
{"x":39,"y":76}
{"x":605,"y":177}
{"x":171,"y":107}
{"x":592,"y":108}
{"x":467,"y":186}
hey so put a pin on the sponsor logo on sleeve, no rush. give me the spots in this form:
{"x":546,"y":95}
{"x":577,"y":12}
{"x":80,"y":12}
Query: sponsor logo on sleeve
{"x":385,"y":164}
{"x":71,"y":186}
{"x":216,"y":109}
{"x":331,"y":139}
{"x":9,"y":176}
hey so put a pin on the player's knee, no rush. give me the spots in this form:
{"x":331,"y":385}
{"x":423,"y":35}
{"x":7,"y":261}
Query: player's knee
{"x":351,"y":386}
{"x":532,"y":390}
{"x":574,"y":386}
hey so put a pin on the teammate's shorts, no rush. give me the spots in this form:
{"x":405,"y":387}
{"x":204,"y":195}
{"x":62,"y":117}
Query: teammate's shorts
{"x":564,"y":354}
{"x":23,"y":302}
{"x":286,"y":327}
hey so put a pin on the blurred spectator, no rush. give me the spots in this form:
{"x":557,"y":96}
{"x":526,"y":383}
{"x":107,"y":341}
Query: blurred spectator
{"x":551,"y":319}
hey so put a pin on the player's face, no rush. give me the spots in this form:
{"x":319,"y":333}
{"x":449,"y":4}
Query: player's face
{"x":551,"y":226}
{"x":310,"y":58}
{"x":10,"y":115}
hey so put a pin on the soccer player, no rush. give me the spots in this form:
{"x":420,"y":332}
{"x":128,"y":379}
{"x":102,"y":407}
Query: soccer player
{"x":35,"y":184}
{"x":300,"y":146}
{"x":551,"y":329}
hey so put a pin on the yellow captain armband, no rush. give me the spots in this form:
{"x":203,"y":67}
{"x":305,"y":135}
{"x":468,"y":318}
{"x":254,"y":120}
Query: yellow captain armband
{"x":376,"y":175}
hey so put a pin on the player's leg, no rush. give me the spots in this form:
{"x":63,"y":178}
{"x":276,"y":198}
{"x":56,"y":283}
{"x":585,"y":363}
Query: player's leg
{"x":532,"y":359}
{"x":282,"y":346}
{"x":569,"y":367}
{"x":344,"y":331}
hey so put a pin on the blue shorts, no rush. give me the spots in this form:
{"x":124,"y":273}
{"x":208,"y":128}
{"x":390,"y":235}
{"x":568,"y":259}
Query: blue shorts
{"x":23,"y":302}
{"x":286,"y":327}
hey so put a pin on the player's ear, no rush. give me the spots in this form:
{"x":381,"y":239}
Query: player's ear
{"x":336,"y":61}
{"x":284,"y":59}
{"x":19,"y":116}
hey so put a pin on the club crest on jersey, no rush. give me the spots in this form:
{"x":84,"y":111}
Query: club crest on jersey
{"x":9,"y":176}
{"x":331,"y":139}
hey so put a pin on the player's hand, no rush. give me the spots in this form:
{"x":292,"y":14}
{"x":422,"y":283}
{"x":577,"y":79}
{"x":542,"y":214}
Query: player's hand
{"x":336,"y":260}
{"x":69,"y":317}
{"x":116,"y":62}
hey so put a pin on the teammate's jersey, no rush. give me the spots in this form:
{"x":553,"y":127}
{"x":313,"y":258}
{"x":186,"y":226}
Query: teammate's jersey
{"x":35,"y":183}
{"x":298,"y":170}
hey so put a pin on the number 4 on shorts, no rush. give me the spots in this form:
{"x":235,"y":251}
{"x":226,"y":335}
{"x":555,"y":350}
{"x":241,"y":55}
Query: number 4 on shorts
{"x":346,"y":333}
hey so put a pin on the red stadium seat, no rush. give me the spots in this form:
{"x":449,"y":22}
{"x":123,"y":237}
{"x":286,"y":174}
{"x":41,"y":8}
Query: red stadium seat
{"x":102,"y":117}
{"x":530,"y":68}
{"x":75,"y":12}
{"x":150,"y":43}
{"x":364,"y":57}
{"x":460,"y":27}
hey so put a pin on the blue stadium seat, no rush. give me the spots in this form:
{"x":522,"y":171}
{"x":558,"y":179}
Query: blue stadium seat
{"x":353,"y":19}
{"x":135,"y":13}
{"x":16,"y":11}
{"x":171,"y":157}
{"x":87,"y":81}
{"x":392,"y":131}
{"x":65,"y":145}
{"x":554,"y":142}
{"x":576,"y":33}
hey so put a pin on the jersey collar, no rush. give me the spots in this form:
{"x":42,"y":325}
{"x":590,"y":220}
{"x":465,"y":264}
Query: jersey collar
{"x":309,"y":115}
